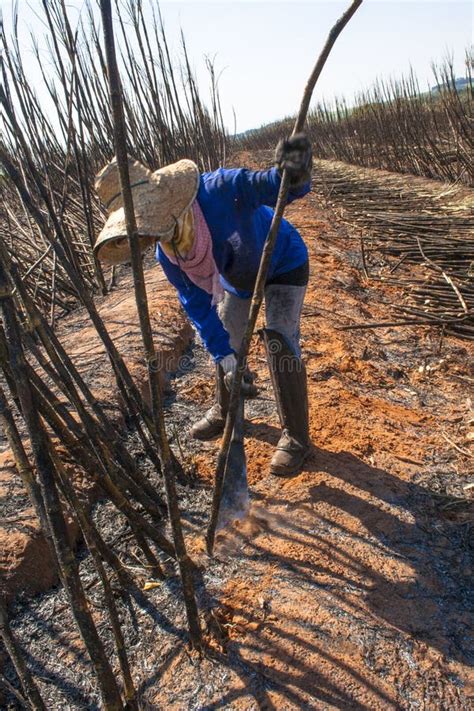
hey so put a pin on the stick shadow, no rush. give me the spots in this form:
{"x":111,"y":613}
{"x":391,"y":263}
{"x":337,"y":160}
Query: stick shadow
{"x":401,"y":517}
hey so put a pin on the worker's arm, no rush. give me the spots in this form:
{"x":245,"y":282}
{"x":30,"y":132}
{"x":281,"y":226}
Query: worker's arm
{"x":198,"y":305}
{"x":253,"y":188}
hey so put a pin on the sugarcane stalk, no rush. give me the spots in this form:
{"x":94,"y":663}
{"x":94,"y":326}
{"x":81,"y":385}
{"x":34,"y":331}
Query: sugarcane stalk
{"x":14,"y":651}
{"x":23,"y":466}
{"x":92,"y":537}
{"x":158,"y":430}
{"x":99,"y":472}
{"x":96,"y":546}
{"x":98,"y":462}
{"x":126,"y":384}
{"x":112,"y":452}
{"x":401,"y":217}
{"x":68,"y":568}
{"x":259,"y":289}
{"x":127,"y":387}
{"x":6,"y":686}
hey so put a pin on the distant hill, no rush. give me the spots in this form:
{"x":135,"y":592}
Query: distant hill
{"x":460,"y":83}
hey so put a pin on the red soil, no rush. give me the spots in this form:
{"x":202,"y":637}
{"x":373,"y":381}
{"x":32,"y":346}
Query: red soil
{"x":335,"y":600}
{"x":338,"y":590}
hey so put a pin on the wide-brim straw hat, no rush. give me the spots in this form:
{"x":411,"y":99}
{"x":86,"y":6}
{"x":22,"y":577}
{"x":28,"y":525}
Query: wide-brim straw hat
{"x":160,"y":198}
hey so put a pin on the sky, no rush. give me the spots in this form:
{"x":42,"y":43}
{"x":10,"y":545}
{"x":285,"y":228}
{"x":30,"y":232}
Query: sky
{"x":266,"y":50}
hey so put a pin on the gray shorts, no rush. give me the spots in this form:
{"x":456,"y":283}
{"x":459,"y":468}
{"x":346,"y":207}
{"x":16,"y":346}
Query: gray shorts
{"x":283,"y":304}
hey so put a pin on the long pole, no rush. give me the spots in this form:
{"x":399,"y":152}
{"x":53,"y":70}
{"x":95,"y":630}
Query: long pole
{"x":120,"y":140}
{"x":259,"y":289}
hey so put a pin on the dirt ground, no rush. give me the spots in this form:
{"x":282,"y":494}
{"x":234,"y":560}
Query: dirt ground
{"x":350,"y":587}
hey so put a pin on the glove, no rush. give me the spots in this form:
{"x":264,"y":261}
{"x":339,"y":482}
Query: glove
{"x":229,"y":366}
{"x":295,"y":155}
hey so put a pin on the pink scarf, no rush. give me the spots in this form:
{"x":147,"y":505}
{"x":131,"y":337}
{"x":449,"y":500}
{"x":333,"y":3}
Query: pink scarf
{"x":199,"y":264}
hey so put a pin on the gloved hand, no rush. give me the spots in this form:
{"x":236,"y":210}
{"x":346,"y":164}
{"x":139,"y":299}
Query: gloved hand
{"x":229,"y":366}
{"x":296,"y":156}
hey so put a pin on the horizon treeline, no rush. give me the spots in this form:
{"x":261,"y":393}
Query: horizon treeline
{"x":393,"y":125}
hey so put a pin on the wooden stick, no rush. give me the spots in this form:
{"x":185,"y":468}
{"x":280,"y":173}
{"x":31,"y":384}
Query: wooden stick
{"x":96,"y":459}
{"x":23,"y":466}
{"x":159,"y":431}
{"x":13,"y":648}
{"x":103,"y":433}
{"x":259,"y":289}
{"x":5,"y":684}
{"x":96,"y":545}
{"x":68,"y":568}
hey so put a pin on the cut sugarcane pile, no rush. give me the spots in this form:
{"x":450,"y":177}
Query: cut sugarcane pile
{"x":401,"y":221}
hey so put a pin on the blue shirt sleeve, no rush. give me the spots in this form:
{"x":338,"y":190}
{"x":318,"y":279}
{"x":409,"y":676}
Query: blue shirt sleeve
{"x":198,"y":305}
{"x":253,"y":188}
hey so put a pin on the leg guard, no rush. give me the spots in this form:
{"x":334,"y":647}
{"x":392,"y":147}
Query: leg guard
{"x":288,"y":375}
{"x":233,"y":312}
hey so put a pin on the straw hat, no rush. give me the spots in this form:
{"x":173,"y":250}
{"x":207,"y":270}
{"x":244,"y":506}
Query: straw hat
{"x":159,"y":199}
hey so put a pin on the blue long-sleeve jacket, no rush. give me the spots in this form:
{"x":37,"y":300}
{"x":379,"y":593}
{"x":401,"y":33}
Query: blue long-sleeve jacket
{"x":235,"y":205}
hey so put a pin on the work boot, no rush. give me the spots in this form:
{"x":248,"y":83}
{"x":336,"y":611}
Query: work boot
{"x":288,"y":375}
{"x":212,"y":424}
